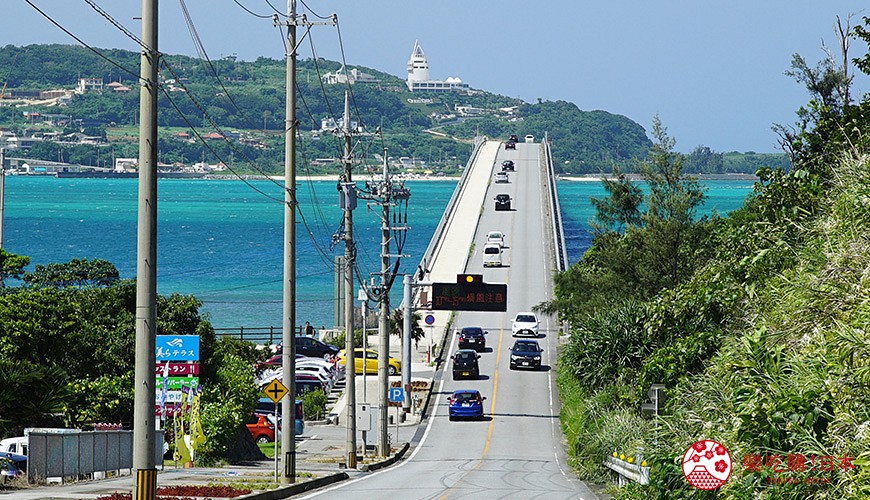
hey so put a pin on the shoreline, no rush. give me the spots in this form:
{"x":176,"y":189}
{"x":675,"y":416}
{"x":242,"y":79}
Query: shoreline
{"x":335,"y":177}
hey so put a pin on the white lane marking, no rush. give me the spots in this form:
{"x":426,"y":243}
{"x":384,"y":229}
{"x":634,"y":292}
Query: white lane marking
{"x":404,"y":461}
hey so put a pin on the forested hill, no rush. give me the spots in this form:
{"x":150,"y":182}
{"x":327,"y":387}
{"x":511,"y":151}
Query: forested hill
{"x":248,"y":97}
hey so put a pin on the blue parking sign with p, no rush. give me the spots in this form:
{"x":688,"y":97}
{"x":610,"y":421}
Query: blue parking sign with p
{"x":397,"y":394}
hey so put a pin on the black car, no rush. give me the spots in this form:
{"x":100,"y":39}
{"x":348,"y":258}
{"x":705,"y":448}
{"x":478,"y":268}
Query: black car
{"x":526,"y":354}
{"x":472,"y":337}
{"x":502,"y":202}
{"x":510,"y":145}
{"x":465,"y":364}
{"x":507,"y":165}
{"x":314,"y":348}
{"x":514,"y":138}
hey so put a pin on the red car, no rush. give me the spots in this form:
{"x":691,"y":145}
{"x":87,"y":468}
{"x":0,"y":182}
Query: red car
{"x":260,"y":428}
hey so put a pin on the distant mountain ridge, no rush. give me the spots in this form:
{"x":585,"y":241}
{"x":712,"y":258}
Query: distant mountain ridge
{"x":249,"y":96}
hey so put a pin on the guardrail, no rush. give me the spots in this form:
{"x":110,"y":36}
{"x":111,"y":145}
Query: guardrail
{"x":448,"y":211}
{"x":555,"y":208}
{"x":627,"y":471}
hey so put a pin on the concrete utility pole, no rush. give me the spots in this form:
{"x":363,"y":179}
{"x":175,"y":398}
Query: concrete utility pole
{"x":349,"y":197}
{"x":144,"y":430}
{"x":406,"y":341}
{"x":384,"y":320}
{"x":288,"y":354}
{"x":2,"y":190}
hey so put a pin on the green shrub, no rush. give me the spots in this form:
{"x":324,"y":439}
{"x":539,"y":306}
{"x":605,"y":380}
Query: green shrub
{"x":314,"y":405}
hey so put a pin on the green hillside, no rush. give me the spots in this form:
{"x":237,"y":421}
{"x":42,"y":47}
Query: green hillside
{"x":249,"y":97}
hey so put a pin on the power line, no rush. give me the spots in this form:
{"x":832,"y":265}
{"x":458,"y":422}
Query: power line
{"x":83,"y":43}
{"x":249,"y":11}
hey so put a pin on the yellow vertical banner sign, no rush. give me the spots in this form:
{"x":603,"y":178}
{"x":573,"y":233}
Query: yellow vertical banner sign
{"x":197,"y":436}
{"x":182,"y":454}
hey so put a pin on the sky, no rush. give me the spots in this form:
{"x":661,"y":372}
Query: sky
{"x":712,"y":71}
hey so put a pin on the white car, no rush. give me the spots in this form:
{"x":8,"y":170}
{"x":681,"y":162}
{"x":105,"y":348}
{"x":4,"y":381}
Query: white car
{"x":495,"y":237}
{"x":492,"y":255}
{"x":530,"y":138}
{"x":501,"y":178}
{"x":525,"y":323}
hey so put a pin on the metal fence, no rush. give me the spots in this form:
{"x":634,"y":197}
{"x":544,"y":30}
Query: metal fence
{"x":70,"y":454}
{"x":263,"y":335}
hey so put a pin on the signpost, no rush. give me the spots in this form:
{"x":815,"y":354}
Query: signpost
{"x":430,"y":322}
{"x":275,"y":390}
{"x":397,"y":395}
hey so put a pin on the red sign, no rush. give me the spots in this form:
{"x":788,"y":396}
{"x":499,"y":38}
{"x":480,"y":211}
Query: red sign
{"x":178,"y":369}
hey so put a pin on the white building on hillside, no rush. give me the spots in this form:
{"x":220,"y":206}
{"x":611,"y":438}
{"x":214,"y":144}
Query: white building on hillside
{"x":418,"y":75}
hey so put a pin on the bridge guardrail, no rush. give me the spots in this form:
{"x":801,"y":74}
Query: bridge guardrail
{"x":448,"y":211}
{"x":555,"y":209}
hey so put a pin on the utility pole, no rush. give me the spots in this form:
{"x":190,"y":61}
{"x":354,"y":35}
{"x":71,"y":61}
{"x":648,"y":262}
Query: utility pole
{"x":406,"y":342}
{"x":2,"y":190}
{"x":144,"y":433}
{"x":385,"y":194}
{"x":384,"y":320}
{"x":288,"y":324}
{"x":288,"y":333}
{"x":349,"y":196}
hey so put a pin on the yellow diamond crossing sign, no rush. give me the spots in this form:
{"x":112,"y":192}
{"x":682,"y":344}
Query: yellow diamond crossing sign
{"x":275,"y":390}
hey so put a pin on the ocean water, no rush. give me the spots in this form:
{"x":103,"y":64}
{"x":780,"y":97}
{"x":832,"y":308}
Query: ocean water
{"x":222,"y":240}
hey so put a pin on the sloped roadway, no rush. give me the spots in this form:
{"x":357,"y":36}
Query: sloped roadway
{"x":516,"y":452}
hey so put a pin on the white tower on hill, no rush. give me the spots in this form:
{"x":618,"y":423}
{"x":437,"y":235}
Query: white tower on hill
{"x":418,"y":67}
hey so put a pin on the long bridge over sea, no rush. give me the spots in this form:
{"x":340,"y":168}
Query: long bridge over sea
{"x":518,"y":445}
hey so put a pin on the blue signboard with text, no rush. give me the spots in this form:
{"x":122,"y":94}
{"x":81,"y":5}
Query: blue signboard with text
{"x":177,"y":348}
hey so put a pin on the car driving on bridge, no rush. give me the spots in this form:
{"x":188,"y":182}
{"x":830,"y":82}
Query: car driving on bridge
{"x":465,"y":364}
{"x":525,"y":323}
{"x":465,"y":404}
{"x":502,"y":202}
{"x":501,"y":178}
{"x":526,"y":354}
{"x":507,"y":166}
{"x":472,"y":337}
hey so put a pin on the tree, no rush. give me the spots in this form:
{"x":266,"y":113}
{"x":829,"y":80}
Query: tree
{"x":671,"y":206}
{"x":11,"y":266}
{"x":397,"y":326}
{"x":75,"y":273}
{"x":621,"y":208}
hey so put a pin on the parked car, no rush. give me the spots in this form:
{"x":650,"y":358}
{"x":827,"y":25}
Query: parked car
{"x":465,"y":364}
{"x":495,"y":237}
{"x":525,"y":323}
{"x":394,"y":366}
{"x":465,"y":404}
{"x":492,"y":255}
{"x":266,"y":407}
{"x":530,"y":138}
{"x":501,"y":178}
{"x":261,"y":429}
{"x":472,"y":337}
{"x":314,"y":348}
{"x":502,"y":202}
{"x":526,"y":354}
{"x":507,"y":166}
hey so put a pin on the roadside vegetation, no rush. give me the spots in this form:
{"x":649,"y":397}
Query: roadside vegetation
{"x":755,"y":323}
{"x":67,"y":349}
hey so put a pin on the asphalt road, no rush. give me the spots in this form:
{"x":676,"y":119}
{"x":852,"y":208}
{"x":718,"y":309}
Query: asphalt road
{"x":517,"y":450}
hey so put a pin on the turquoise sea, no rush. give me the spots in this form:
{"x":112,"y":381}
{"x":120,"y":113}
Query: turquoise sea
{"x":221,"y":240}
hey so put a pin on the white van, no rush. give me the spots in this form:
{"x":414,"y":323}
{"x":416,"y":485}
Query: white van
{"x":17,"y":445}
{"x":492,"y":255}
